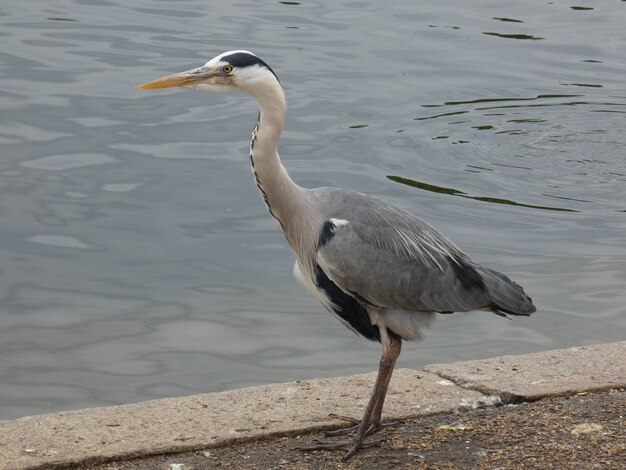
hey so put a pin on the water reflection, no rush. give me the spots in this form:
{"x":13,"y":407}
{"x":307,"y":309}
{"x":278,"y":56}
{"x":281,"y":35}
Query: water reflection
{"x":515,"y":36}
{"x":507,"y":20}
{"x":492,"y":100}
{"x":455,"y":192}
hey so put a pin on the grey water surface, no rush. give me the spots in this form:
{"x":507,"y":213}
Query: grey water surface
{"x":137,"y":260}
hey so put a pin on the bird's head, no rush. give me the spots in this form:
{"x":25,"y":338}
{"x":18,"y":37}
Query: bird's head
{"x":240,"y":70}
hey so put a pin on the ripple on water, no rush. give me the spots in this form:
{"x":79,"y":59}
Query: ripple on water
{"x":61,"y":241}
{"x":66,"y":162}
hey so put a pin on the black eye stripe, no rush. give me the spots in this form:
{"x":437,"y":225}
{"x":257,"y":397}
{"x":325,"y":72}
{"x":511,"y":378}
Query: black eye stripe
{"x":243,"y":59}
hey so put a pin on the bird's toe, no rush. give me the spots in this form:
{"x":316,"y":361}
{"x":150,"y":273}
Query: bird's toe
{"x":374,"y":426}
{"x":351,"y":445}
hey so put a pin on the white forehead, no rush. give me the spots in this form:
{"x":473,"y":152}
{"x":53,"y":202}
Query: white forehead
{"x":218,"y":59}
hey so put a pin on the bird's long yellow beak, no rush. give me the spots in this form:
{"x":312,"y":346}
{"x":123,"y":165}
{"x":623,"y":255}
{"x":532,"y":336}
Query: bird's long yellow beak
{"x":190,"y":77}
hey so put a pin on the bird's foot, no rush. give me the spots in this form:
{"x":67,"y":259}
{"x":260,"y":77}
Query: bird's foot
{"x":375,"y":426}
{"x":351,"y":445}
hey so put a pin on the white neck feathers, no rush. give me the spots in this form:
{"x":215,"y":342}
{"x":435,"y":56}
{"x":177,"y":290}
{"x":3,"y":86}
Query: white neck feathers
{"x":286,"y":201}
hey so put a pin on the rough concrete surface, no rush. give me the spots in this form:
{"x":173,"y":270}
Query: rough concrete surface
{"x":213,"y":421}
{"x":576,"y":432}
{"x":177,"y":424}
{"x":533,"y":376}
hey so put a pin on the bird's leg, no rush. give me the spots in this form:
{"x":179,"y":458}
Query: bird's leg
{"x":395,"y":344}
{"x":376,"y":419}
{"x":370,"y":422}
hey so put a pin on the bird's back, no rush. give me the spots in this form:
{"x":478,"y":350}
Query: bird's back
{"x":388,"y":258}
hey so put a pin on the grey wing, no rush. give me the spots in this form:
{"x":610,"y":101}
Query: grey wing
{"x":388,"y":258}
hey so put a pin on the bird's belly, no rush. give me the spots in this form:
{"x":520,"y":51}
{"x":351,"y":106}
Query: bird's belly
{"x":407,"y":324}
{"x":357,"y":316}
{"x":348,"y":310}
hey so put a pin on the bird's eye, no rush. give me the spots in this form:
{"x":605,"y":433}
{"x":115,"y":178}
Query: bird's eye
{"x":227,"y":68}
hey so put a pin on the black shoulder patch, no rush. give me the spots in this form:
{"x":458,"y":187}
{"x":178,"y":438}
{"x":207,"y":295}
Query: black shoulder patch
{"x":244,"y":59}
{"x":326,"y":234}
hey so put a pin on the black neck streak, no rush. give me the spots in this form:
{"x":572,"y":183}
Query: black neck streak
{"x":259,"y":184}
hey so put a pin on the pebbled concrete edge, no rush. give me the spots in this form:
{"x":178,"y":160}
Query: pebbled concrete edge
{"x":96,"y":435}
{"x":196,"y":422}
{"x":538,"y":375}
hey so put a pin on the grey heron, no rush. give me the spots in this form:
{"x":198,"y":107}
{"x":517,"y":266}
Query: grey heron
{"x":382,"y":271}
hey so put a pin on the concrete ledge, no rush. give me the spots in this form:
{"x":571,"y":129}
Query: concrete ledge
{"x":212,"y":420}
{"x":538,"y":375}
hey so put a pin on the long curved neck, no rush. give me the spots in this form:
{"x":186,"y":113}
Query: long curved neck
{"x":286,"y":201}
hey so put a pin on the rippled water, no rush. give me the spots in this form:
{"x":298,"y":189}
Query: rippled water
{"x":137,"y":260}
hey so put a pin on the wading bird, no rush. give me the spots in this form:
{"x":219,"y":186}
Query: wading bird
{"x":383,"y":272}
